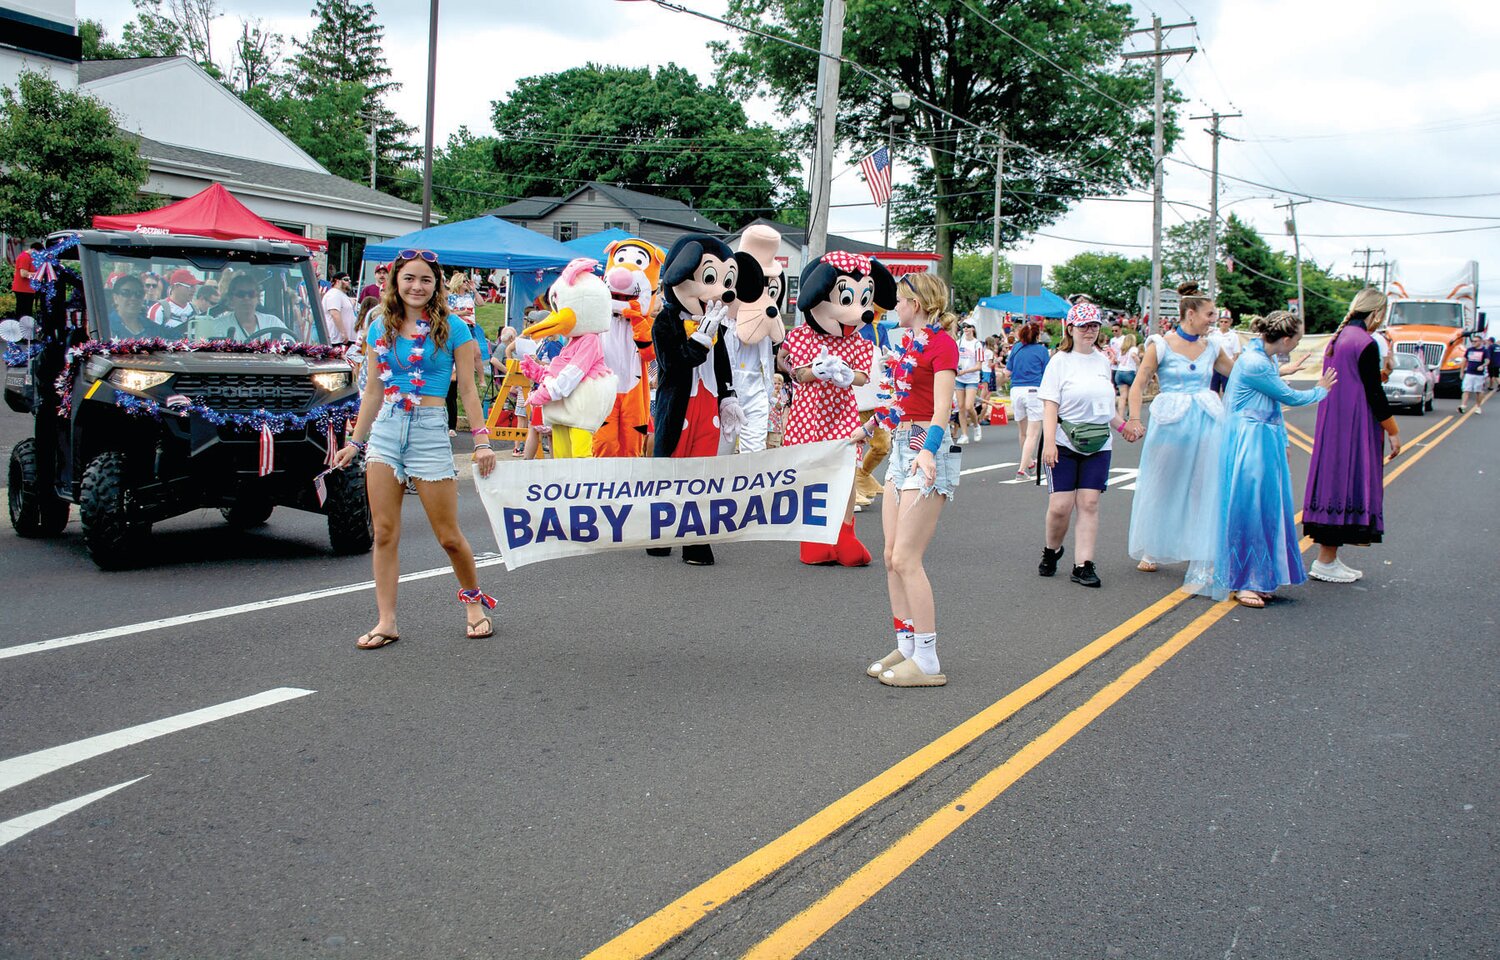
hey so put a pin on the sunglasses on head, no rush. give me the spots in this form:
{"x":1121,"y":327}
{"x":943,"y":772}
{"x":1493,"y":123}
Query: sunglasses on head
{"x":427,"y":255}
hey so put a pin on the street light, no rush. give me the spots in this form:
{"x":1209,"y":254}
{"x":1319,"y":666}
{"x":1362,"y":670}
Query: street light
{"x":901,"y":102}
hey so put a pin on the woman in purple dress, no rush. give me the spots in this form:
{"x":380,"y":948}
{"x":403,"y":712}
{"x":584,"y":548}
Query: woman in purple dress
{"x":1345,"y":485}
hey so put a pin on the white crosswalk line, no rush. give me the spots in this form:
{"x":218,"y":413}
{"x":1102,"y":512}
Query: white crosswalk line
{"x":20,"y":826}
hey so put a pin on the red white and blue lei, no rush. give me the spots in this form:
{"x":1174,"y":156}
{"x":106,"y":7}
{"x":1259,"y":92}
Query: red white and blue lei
{"x":897,"y":381}
{"x":385,"y":352}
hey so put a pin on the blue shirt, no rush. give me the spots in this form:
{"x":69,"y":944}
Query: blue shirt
{"x":436,"y":364}
{"x":548,"y":350}
{"x":1026,"y":364}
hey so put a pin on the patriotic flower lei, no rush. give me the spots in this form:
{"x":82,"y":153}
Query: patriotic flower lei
{"x":384,"y":353}
{"x":898,"y":371}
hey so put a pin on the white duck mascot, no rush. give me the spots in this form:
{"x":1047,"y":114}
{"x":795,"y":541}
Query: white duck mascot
{"x":576,"y":391}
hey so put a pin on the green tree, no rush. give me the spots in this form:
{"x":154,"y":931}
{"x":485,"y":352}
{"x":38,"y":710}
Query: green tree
{"x":345,"y":48}
{"x":464,"y":178}
{"x":65,"y":159}
{"x":184,"y":28}
{"x":660,"y":131}
{"x":256,"y":63}
{"x":96,"y":42}
{"x":1184,"y":253}
{"x":1071,"y":139}
{"x":1111,"y":279}
{"x":320,"y":125}
{"x":1259,"y":280}
{"x":971,"y":279}
{"x":1328,"y":296}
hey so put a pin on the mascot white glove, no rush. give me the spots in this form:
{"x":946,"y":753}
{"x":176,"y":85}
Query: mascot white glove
{"x":840,"y":374}
{"x":713,"y":319}
{"x":525,"y":347}
{"x":731,"y":416}
{"x":822,"y":367}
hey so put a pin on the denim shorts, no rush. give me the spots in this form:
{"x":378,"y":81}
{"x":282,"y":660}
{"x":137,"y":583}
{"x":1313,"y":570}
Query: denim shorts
{"x":1124,"y":378}
{"x":414,"y":443}
{"x":903,"y":456}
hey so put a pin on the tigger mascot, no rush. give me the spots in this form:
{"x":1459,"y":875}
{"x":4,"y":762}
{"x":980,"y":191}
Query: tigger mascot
{"x":632,"y":272}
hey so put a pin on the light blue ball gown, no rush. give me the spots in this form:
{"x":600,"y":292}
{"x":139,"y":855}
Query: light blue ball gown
{"x":1177,"y":492}
{"x":1257,"y":539}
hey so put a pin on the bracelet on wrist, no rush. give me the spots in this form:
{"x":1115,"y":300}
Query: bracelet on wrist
{"x":483,"y":446}
{"x":477,"y":431}
{"x":357,"y":445}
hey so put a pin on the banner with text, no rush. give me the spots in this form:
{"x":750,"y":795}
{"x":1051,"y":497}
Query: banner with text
{"x":544,"y":509}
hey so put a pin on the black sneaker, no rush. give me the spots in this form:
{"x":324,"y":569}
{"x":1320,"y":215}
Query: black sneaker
{"x":1048,"y":566}
{"x":1084,"y":573}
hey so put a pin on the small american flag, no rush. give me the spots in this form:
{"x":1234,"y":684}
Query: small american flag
{"x":877,"y":170}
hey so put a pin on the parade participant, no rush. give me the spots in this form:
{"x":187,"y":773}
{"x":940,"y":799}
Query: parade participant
{"x":401,"y":430}
{"x":839,"y":294}
{"x":1494,"y":368}
{"x":694,"y":384}
{"x":923,"y":463}
{"x":127,"y":314}
{"x":1228,"y":343}
{"x":754,"y":330}
{"x":461,"y":305}
{"x":1026,"y":362}
{"x":1176,"y":493}
{"x":1476,"y":359}
{"x":970,"y":362}
{"x":1078,"y":402}
{"x":1126,"y":367}
{"x":632,"y":272}
{"x":1258,"y":547}
{"x":1345,"y":498}
{"x":177,"y":309}
{"x":576,"y":391}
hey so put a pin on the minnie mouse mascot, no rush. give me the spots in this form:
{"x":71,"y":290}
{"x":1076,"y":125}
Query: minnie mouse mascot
{"x":838,"y":295}
{"x":695,"y":396}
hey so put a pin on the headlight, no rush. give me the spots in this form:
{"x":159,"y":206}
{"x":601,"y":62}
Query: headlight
{"x":330,"y":382}
{"x":1413,"y":382}
{"x":138,"y":380}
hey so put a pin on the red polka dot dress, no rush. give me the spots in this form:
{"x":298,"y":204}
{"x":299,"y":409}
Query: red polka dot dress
{"x":820,"y":410}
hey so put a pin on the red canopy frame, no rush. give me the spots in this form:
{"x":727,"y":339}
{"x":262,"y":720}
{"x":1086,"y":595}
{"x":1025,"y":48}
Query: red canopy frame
{"x":213,"y":213}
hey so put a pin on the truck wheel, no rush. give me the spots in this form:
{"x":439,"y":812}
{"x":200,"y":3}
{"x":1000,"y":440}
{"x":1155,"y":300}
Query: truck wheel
{"x":114,"y":542}
{"x":248,"y":514}
{"x":349,"y":528}
{"x":33,"y":512}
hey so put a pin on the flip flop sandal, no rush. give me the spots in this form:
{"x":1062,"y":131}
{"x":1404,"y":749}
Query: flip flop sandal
{"x":1254,"y":601}
{"x":908,"y":674}
{"x":489,"y":629}
{"x":1146,"y":566}
{"x":378,"y":640}
{"x":885,"y":663}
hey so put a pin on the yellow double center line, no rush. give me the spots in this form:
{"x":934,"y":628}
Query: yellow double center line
{"x":804,"y":929}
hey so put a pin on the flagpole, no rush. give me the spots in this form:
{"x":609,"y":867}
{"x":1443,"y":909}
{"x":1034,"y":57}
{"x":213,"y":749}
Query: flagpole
{"x":890,"y":149}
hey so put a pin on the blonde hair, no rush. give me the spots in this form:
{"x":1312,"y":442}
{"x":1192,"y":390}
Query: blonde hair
{"x":1368,"y":303}
{"x":457,"y":281}
{"x":1127,"y":343}
{"x":1277,"y":325}
{"x":932,"y":295}
{"x":394,"y":309}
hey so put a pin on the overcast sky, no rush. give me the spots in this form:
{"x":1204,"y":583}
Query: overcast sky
{"x":1373,"y":102}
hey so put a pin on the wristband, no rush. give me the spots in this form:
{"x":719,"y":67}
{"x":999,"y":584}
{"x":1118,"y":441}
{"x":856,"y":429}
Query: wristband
{"x":478,"y":430}
{"x":934,"y":439}
{"x":357,"y":445}
{"x":483,"y":446}
{"x":1120,"y":429}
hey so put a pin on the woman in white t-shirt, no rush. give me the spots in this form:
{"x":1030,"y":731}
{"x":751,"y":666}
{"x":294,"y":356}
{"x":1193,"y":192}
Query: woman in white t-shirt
{"x":1078,"y":403}
{"x":1126,"y":366}
{"x":970,"y":362}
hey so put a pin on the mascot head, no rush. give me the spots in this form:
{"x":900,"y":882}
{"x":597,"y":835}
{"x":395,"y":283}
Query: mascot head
{"x":579,"y":301}
{"x":701,"y":269}
{"x":840,"y":292}
{"x":632,"y":271}
{"x":758,"y":316}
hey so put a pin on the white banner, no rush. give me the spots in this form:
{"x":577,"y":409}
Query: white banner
{"x":544,"y":509}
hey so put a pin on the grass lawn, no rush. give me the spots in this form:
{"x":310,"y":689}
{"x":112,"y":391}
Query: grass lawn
{"x":491,"y":317}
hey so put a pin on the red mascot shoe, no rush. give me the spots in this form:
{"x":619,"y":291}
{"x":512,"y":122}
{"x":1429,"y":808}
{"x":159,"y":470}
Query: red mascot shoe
{"x":849,"y":552}
{"x":818,"y":554}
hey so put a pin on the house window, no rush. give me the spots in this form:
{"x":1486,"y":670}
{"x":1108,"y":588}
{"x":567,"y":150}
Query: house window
{"x":617,"y":225}
{"x":792,"y":283}
{"x":563,"y":231}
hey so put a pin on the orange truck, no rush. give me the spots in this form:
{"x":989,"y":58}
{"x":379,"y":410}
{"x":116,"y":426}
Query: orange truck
{"x":1431,"y":316}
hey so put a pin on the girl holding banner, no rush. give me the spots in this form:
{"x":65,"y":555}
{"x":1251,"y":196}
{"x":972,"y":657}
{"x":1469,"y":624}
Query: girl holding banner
{"x":923,"y":463}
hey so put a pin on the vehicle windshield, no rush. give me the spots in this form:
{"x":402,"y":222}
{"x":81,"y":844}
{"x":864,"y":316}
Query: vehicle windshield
{"x":1429,"y":314}
{"x":207,"y":295}
{"x":1407,"y":361}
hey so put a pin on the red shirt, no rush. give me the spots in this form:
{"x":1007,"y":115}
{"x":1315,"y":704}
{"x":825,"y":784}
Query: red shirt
{"x":20,"y":284}
{"x":940,"y":353}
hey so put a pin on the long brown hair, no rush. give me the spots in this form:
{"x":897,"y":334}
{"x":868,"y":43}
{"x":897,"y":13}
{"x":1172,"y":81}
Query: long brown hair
{"x":437,"y":308}
{"x":1190,"y":298}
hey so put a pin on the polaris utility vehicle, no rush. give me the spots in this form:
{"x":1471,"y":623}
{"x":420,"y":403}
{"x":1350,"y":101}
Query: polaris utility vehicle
{"x":134,"y":427}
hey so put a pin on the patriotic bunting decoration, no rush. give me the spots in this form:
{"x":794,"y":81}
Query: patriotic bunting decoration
{"x":325,"y":416}
{"x":267,"y":450}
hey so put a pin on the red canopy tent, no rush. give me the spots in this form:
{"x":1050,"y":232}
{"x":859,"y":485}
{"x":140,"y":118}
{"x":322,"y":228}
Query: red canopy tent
{"x":213,"y":213}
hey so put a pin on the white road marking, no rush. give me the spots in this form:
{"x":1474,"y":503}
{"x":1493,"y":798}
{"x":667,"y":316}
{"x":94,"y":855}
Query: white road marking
{"x":22,"y":825}
{"x":125,"y":630}
{"x":1125,"y":479}
{"x":993,"y":466}
{"x":19,"y":770}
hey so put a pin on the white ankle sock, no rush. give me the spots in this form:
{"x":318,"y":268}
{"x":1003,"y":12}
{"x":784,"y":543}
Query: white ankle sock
{"x":924,"y":653}
{"x":904,"y":640}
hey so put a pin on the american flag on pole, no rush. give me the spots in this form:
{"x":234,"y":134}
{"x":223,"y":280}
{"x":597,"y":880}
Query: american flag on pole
{"x":877,"y":170}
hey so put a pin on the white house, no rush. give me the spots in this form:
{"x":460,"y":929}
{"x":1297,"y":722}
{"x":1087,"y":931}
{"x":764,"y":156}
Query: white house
{"x":41,"y":36}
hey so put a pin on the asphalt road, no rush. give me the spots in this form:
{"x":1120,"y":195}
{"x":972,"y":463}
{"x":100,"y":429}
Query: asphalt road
{"x":1313,"y":780}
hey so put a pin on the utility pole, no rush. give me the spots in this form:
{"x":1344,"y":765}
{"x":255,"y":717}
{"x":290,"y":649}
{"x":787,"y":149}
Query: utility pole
{"x":432,"y":24}
{"x":999,"y":180}
{"x":1369,"y":255}
{"x":825,"y":110}
{"x":1213,"y":200}
{"x":1158,"y":54}
{"x":1291,"y":227}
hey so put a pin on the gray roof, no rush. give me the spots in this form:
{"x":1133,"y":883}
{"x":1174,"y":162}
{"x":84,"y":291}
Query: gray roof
{"x":797,"y":236}
{"x":645,"y":206}
{"x":256,"y":172}
{"x":91,"y":70}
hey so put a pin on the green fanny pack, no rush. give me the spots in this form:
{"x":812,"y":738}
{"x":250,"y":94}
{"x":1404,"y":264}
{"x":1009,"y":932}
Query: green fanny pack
{"x":1086,"y":438}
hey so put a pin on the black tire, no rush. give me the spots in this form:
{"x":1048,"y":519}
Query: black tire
{"x":33,"y":512}
{"x":349,"y":527}
{"x":114,"y":541}
{"x":248,"y":514}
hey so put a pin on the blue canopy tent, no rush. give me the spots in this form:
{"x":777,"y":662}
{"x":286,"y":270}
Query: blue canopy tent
{"x":533,"y":260}
{"x":989,"y":313}
{"x":593,"y":245}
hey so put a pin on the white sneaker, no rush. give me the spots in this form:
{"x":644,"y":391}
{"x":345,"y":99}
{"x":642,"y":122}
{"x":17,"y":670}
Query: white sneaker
{"x":978,"y":434}
{"x":1331,"y":572}
{"x":961,"y":439}
{"x":1356,"y":574}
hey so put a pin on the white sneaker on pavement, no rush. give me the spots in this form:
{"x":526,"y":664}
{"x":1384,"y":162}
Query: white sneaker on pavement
{"x":1331,"y":572}
{"x":978,"y":434}
{"x":961,"y":439}
{"x":1356,"y":574}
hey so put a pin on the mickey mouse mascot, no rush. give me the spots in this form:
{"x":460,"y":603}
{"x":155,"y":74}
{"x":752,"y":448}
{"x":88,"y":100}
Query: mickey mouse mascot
{"x":755,"y":329}
{"x":838,"y":295}
{"x":695,"y":396}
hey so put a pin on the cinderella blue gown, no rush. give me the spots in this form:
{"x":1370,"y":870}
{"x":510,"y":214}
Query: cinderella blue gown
{"x":1177,"y":492}
{"x":1257,"y":548}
